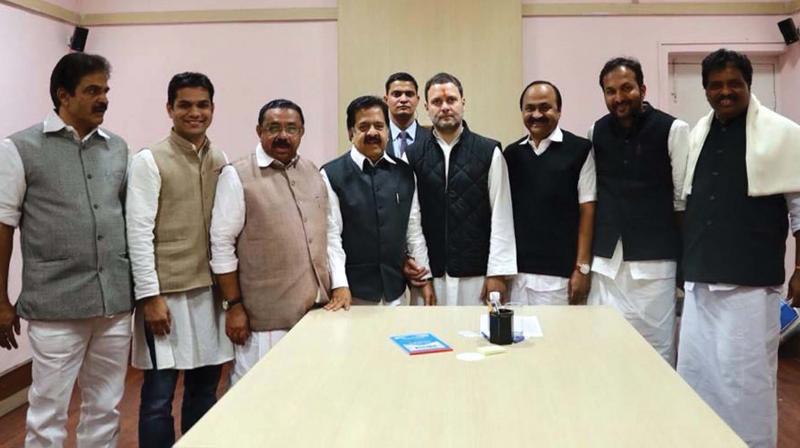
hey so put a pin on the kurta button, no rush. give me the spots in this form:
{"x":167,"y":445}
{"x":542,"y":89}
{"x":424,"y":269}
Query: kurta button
{"x":96,"y":206}
{"x":708,"y":223}
{"x":712,"y":197}
{"x":88,"y":176}
{"x":715,"y":173}
{"x":100,"y":269}
{"x":292,"y":182}
{"x":99,"y":237}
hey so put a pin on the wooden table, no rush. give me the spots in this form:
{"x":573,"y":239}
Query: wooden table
{"x":336,"y":380}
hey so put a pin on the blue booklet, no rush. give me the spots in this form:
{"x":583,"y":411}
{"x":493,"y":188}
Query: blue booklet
{"x":420,"y":343}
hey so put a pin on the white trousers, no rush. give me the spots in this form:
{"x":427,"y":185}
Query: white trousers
{"x":648,"y":305}
{"x":95,"y":352}
{"x":256,"y":347}
{"x":729,"y":355}
{"x":527,"y":296}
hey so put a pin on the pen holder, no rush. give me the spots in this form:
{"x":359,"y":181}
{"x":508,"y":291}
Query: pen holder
{"x":501,"y":326}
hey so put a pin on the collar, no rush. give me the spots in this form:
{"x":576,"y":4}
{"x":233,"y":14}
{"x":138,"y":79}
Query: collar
{"x":264,"y":160}
{"x":54,"y":123}
{"x":186,"y":145}
{"x":555,"y":136}
{"x":359,"y":158}
{"x":395,"y":130}
{"x":459,"y":133}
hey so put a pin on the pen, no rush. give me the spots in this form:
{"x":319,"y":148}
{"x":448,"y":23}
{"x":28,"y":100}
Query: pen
{"x":397,"y":197}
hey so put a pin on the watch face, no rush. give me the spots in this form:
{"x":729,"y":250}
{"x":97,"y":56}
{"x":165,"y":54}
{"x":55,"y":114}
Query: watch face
{"x":584,"y":269}
{"x":225,"y":305}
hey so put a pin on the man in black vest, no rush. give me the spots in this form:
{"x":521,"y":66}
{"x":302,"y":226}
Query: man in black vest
{"x":551,"y":172}
{"x":640,"y":156}
{"x":741,"y":181}
{"x":402,"y":98}
{"x":374,"y":218}
{"x":465,"y":200}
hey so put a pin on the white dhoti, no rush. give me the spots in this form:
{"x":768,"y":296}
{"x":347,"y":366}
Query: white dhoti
{"x":452,"y":291}
{"x":95,"y":352}
{"x":535,"y":289}
{"x":729,"y":355}
{"x":256,"y":347}
{"x":647,"y":304}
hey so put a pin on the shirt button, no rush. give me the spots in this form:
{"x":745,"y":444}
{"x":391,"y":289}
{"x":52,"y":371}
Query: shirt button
{"x":99,"y":237}
{"x":88,"y":176}
{"x":708,"y":223}
{"x":715,"y":173}
{"x":310,"y":240}
{"x":96,"y":206}
{"x":719,"y":151}
{"x":712,"y":197}
{"x":292,"y":182}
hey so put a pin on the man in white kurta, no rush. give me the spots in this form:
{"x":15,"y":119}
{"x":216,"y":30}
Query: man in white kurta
{"x":742,"y":181}
{"x":467,"y":219}
{"x":178,"y":324}
{"x":640,"y":158}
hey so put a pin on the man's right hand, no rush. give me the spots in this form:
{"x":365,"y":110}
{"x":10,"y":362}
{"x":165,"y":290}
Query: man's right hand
{"x":156,"y":315}
{"x":340,"y":298}
{"x":414,"y":273}
{"x":237,"y":324}
{"x":9,"y":324}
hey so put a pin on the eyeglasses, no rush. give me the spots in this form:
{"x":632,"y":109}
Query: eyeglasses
{"x":275,"y":129}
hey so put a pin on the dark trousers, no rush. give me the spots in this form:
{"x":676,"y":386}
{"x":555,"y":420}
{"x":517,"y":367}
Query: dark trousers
{"x":156,"y":425}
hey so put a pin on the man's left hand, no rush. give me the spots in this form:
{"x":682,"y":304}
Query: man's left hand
{"x":794,"y":289}
{"x":496,"y":283}
{"x":428,"y":294}
{"x":578,"y":289}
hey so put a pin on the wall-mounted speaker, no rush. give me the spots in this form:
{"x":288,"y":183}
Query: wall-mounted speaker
{"x":78,"y":40}
{"x":791,"y":33}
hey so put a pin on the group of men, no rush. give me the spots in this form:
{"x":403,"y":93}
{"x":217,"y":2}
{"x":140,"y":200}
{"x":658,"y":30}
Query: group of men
{"x":221,"y":259}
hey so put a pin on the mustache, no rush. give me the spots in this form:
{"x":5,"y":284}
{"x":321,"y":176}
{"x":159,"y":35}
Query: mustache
{"x":102,"y":107}
{"x":730,"y":96}
{"x":531,"y":121}
{"x":281,"y":143}
{"x":372,"y":140}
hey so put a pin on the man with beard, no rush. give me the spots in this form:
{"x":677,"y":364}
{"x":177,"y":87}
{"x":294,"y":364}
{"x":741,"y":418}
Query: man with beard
{"x":466,"y":202}
{"x":741,"y":181}
{"x":402,"y":98}
{"x":268,"y":237}
{"x":551,"y":173}
{"x":640,"y":155}
{"x":178,"y":324}
{"x":373,"y":219}
{"x":62,"y":182}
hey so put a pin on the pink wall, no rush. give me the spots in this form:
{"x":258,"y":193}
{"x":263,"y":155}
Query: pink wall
{"x":25,"y":81}
{"x":790,"y":78}
{"x":249,"y":64}
{"x":106,"y":6}
{"x":590,"y":41}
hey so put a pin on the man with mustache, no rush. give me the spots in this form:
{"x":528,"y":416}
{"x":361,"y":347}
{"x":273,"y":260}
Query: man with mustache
{"x":551,"y":173}
{"x":178,"y":324}
{"x":268,"y":237}
{"x":62,"y":182}
{"x":465,"y":200}
{"x":402,"y":97}
{"x":741,"y":182}
{"x":640,"y":155}
{"x":374,"y":219}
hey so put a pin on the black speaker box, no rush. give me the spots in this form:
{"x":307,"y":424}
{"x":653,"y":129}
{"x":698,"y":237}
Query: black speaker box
{"x":78,"y":40}
{"x":789,"y":30}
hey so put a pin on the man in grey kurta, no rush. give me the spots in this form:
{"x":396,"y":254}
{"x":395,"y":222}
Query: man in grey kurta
{"x":62,"y":182}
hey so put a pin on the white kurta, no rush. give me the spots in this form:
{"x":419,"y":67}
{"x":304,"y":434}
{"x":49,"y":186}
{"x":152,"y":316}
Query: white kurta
{"x":197,"y":337}
{"x":644,"y":291}
{"x":540,"y":289}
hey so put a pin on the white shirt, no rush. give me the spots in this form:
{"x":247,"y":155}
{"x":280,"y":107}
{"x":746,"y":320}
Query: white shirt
{"x":395,"y":135}
{"x":337,"y":259}
{"x":678,"y":149}
{"x":587,"y":192}
{"x":228,"y":215}
{"x":12,"y":172}
{"x":502,"y":242}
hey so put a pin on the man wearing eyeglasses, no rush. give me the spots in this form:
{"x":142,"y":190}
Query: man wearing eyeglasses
{"x":268,"y":237}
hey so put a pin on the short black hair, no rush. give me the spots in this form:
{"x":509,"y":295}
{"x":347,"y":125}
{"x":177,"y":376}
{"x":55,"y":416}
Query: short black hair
{"x":363,"y":103}
{"x":443,"y":78}
{"x":71,"y":68}
{"x":629,"y":63}
{"x":401,"y":76}
{"x":189,"y":79}
{"x":281,"y":103}
{"x":541,"y":82}
{"x":722,"y":58}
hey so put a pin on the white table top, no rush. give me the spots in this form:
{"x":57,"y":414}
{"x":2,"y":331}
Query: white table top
{"x":337,"y":380}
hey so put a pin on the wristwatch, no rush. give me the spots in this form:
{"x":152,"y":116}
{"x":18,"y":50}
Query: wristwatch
{"x":228,"y":304}
{"x":583,"y":268}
